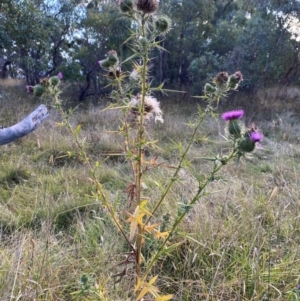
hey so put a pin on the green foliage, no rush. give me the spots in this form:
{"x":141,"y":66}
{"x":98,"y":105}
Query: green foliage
{"x":203,"y":68}
{"x":207,"y":37}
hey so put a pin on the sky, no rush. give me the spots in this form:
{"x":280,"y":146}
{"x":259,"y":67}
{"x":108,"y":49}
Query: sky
{"x":294,"y":28}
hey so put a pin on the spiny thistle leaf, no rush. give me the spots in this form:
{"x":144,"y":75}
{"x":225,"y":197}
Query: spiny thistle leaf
{"x":143,"y":207}
{"x":135,"y":219}
{"x":146,"y":288}
{"x":77,"y":130}
{"x":158,"y":234}
{"x":164,"y":298}
{"x":150,"y":228}
{"x":171,"y":248}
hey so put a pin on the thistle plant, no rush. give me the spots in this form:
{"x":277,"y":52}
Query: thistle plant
{"x":133,"y":93}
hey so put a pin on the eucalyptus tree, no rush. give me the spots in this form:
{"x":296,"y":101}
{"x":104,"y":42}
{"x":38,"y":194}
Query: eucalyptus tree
{"x":267,"y":52}
{"x":191,"y":25}
{"x":46,"y":36}
{"x":33,"y":33}
{"x":100,"y":29}
{"x":252,"y":36}
{"x":220,"y":40}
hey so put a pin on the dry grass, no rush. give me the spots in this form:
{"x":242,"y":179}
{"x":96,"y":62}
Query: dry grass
{"x":240,"y":242}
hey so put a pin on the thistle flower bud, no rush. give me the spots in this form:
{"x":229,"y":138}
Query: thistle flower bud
{"x":221,"y":79}
{"x":143,"y":41}
{"x":251,"y":137}
{"x":234,"y":128}
{"x":163,"y":24}
{"x":239,"y":75}
{"x":54,"y":81}
{"x":209,"y":89}
{"x":147,"y":6}
{"x":38,"y":90}
{"x":247,"y":145}
{"x":112,"y":60}
{"x":234,"y":80}
{"x":104,"y":63}
{"x":113,"y":57}
{"x":126,"y":6}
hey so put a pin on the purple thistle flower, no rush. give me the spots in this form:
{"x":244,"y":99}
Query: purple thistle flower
{"x":233,"y":115}
{"x":60,"y":75}
{"x":239,"y":75}
{"x":29,"y":89}
{"x":256,"y":136}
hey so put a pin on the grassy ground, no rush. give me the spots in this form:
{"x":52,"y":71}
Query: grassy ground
{"x":240,"y":242}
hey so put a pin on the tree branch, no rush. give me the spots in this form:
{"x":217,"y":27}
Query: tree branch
{"x":24,"y":127}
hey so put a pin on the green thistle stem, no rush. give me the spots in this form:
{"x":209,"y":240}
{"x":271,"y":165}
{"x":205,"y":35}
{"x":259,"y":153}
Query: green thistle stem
{"x":138,"y":173}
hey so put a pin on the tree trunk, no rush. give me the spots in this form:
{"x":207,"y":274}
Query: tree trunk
{"x":161,"y":57}
{"x":3,"y":64}
{"x":180,"y":58}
